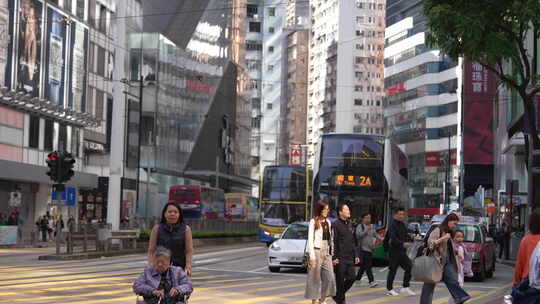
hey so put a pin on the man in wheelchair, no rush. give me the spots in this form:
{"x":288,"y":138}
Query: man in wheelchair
{"x":163,"y":283}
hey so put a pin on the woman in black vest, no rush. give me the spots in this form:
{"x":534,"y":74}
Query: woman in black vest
{"x":173,"y":234}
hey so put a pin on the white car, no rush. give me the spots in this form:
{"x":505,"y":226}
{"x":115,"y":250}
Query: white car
{"x":288,"y":250}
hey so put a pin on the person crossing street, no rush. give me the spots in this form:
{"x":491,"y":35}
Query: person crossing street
{"x":397,"y":243}
{"x":344,"y":257}
{"x":365,"y":238}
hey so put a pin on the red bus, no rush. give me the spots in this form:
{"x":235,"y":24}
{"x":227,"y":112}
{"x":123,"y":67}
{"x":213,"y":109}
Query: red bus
{"x":198,"y":201}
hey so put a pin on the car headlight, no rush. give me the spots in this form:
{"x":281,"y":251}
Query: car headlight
{"x":277,"y":235}
{"x":266,"y":232}
{"x":275,"y":247}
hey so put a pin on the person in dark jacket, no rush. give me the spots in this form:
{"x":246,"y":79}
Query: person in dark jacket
{"x":504,"y":238}
{"x":174,"y":234}
{"x":344,"y":257}
{"x":398,"y":239}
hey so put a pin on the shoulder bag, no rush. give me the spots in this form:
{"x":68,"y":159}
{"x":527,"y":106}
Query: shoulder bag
{"x":427,"y":268}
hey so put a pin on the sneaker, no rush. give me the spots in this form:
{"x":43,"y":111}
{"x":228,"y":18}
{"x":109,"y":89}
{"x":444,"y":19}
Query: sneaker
{"x":392,"y":293}
{"x":373,"y":284}
{"x":408,"y":291}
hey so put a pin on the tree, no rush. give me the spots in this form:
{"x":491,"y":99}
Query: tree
{"x":494,"y":33}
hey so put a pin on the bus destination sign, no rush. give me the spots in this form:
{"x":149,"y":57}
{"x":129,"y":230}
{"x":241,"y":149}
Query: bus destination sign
{"x":353,"y":181}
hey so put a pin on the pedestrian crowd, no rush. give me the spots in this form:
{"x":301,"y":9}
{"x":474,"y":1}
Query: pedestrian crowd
{"x":49,"y":226}
{"x":335,"y":249}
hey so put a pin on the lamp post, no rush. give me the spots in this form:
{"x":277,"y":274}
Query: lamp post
{"x":447,"y":174}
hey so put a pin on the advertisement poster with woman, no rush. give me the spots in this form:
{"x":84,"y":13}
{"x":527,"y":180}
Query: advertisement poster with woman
{"x":29,"y":46}
{"x":77,"y":67}
{"x":6,"y":41}
{"x":56,"y":53}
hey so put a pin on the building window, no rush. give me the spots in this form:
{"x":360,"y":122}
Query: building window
{"x":34,"y":132}
{"x":75,"y":139}
{"x":360,"y":33}
{"x":270,"y":68}
{"x":252,"y":10}
{"x":253,"y":45}
{"x":62,"y":137}
{"x":358,"y":88}
{"x":271,"y":30}
{"x":255,"y":27}
{"x":80,"y":9}
{"x":378,"y":102}
{"x":359,"y":74}
{"x":49,"y":135}
{"x":358,"y":102}
{"x":270,"y":49}
{"x":359,"y":19}
{"x":359,"y":46}
{"x":272,"y":11}
{"x":68,"y":5}
{"x":358,"y":60}
{"x":269,"y":106}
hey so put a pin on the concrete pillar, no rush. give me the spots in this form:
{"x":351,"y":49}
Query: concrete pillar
{"x":118,"y":122}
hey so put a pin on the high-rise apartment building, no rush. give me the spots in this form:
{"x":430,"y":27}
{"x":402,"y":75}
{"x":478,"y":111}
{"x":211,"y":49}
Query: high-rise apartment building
{"x":422,"y":105}
{"x":295,"y":63}
{"x":345,"y":84}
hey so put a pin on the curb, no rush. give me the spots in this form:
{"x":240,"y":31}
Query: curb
{"x":142,"y":249}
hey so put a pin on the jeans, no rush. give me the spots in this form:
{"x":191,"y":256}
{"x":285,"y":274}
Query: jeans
{"x":504,"y":248}
{"x":345,"y":277}
{"x":450,"y":278}
{"x":365,"y":266}
{"x":399,"y":259}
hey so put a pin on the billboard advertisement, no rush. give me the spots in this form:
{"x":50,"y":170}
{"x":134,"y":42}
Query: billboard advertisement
{"x":295,"y":155}
{"x":78,"y":67}
{"x":479,"y":90}
{"x":56,"y":54}
{"x":6,"y":41}
{"x":30,"y":31}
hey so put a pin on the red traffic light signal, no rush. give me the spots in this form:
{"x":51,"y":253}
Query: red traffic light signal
{"x":52,"y":156}
{"x":54,"y":166}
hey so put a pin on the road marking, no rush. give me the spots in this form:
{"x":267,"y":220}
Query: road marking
{"x":206,"y":261}
{"x":62,"y":297}
{"x":491,"y":293}
{"x":241,"y":285}
{"x":66,"y":288}
{"x":259,"y":269}
{"x":23,"y":284}
{"x":234,"y":280}
{"x":252,"y":272}
{"x":107,"y":301}
{"x":445,"y":300}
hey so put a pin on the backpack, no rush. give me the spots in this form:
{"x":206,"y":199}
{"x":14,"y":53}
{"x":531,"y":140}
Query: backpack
{"x":534,"y":272}
{"x":386,"y":240}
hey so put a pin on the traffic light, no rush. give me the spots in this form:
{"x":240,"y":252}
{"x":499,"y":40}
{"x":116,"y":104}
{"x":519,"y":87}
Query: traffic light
{"x":53,"y":161}
{"x":67,"y":167}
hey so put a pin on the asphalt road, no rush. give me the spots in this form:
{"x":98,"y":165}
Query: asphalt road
{"x":227,"y":274}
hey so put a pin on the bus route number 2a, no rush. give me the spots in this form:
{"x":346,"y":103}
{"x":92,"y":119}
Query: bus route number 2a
{"x":355,"y":181}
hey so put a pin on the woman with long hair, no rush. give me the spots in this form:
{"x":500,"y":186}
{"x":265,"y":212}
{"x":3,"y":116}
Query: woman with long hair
{"x":320,"y":280}
{"x":174,"y":234}
{"x":442,"y":247}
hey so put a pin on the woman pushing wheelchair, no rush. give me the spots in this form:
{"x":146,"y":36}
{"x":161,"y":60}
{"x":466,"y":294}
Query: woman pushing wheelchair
{"x":163,"y":283}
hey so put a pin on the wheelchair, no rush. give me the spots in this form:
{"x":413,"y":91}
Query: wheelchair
{"x":183,"y":300}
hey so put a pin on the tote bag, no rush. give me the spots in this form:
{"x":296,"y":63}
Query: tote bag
{"x":427,"y":269}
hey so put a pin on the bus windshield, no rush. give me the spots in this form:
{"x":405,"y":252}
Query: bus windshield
{"x":276,"y":214}
{"x":285,"y":184}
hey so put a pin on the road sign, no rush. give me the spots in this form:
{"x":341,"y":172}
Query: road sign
{"x":68,"y":197}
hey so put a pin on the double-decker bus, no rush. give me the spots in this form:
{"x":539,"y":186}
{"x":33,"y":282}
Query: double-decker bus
{"x":364,"y":171}
{"x":285,"y":197}
{"x":240,"y":207}
{"x":198,"y":201}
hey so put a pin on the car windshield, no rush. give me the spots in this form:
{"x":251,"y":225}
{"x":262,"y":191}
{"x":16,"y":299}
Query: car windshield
{"x":296,"y":232}
{"x":471,"y":233}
